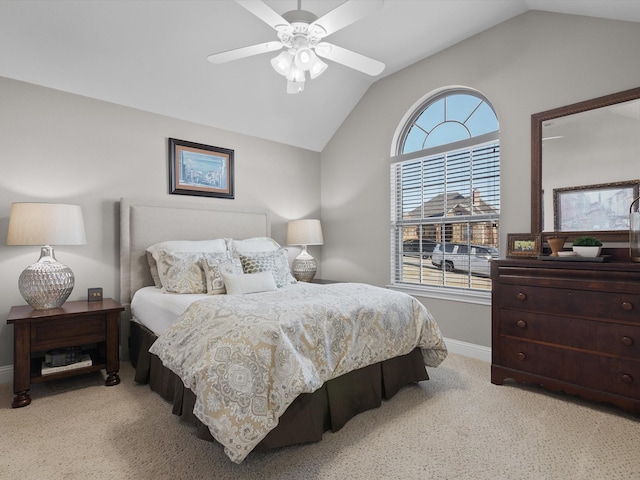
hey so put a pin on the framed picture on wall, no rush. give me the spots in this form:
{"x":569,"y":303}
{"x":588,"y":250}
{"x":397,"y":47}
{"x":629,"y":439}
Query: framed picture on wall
{"x":202,"y":170}
{"x":523,"y":245}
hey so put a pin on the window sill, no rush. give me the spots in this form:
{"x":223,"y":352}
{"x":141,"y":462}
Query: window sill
{"x":445,"y":293}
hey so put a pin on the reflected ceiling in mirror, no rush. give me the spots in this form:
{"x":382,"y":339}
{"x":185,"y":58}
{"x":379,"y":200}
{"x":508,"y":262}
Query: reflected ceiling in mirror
{"x":582,"y":145}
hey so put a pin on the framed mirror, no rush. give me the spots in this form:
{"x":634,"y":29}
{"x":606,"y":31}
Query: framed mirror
{"x":585,"y":167}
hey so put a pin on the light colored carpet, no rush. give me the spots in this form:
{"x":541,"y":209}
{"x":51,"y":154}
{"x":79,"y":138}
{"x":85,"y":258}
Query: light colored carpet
{"x":455,"y":426}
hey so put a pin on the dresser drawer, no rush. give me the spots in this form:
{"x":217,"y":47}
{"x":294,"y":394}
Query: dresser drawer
{"x":590,"y":370}
{"x":575,"y":303}
{"x":604,"y":337}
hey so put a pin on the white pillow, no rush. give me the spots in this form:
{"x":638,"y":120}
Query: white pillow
{"x":276,"y":262}
{"x":214,"y":267}
{"x":217,"y":245}
{"x":243,"y":283}
{"x":251,"y":245}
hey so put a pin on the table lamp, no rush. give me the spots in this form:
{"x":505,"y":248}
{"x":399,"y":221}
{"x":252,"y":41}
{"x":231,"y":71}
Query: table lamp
{"x":47,"y":283}
{"x":304,"y":232}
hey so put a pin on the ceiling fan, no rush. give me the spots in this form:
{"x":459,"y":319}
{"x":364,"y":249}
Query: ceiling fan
{"x":301,"y":32}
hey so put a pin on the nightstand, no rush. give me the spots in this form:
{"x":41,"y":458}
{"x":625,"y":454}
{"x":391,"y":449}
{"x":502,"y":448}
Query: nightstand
{"x":91,"y":325}
{"x":323,"y":282}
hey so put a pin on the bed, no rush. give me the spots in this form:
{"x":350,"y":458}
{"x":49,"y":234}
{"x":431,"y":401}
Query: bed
{"x":277,"y":366}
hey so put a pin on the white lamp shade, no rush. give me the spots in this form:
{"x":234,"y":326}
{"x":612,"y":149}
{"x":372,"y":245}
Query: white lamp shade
{"x":282,"y":63}
{"x":304,"y":232}
{"x":305,"y":59}
{"x":45,"y":224}
{"x":317,"y":69}
{"x":295,"y":74}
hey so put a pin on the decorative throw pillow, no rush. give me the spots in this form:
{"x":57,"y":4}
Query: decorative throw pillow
{"x":276,"y":262}
{"x":213,"y":267}
{"x":216,"y":245}
{"x":252,"y":245}
{"x":243,"y":283}
{"x":180,"y":272}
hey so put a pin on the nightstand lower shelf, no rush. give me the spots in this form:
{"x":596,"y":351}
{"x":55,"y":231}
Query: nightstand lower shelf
{"x":37,"y":376}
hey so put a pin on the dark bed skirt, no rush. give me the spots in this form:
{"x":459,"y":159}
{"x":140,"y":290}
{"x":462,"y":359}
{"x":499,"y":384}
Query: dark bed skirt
{"x":310,"y":415}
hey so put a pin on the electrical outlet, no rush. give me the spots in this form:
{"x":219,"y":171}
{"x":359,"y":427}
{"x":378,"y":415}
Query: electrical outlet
{"x":94,"y":294}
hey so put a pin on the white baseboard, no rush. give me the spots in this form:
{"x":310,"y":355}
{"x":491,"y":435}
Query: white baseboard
{"x":472,"y":350}
{"x":455,"y":346}
{"x":6,"y":374}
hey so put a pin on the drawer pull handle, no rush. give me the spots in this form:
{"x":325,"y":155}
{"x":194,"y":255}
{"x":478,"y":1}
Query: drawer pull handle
{"x":627,"y":306}
{"x":523,"y":296}
{"x":523,"y":324}
{"x":627,"y":341}
{"x":626,"y":378}
{"x":521,"y":356}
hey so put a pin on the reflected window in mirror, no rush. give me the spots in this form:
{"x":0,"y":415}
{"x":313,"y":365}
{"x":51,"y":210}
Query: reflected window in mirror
{"x":445,"y":205}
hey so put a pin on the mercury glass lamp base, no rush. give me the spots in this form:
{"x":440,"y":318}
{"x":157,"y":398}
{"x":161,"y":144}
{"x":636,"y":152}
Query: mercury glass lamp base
{"x":304,"y":270}
{"x":47,"y":283}
{"x":304,"y":266}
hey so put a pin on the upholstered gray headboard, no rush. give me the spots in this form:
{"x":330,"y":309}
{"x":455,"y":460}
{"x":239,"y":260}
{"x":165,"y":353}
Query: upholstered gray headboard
{"x":145,"y":222}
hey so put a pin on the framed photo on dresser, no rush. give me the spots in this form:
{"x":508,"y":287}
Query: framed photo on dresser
{"x":523,"y":245}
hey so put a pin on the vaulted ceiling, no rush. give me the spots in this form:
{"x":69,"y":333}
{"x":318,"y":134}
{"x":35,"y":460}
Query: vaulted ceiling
{"x":152,"y":55}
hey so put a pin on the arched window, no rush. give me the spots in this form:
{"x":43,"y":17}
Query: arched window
{"x":445,"y":187}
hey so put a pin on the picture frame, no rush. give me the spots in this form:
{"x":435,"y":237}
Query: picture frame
{"x":523,"y":245}
{"x":200,"y":170}
{"x":593,"y":208}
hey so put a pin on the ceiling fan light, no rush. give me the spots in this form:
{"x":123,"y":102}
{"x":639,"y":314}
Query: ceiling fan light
{"x":317,"y":69}
{"x":294,"y":87}
{"x":305,"y":58}
{"x":282,"y":63}
{"x":295,"y":74}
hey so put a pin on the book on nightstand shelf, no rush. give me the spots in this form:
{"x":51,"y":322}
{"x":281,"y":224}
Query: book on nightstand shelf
{"x":85,"y":361}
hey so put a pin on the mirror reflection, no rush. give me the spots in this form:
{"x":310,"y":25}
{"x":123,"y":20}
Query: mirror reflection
{"x":586,"y":166}
{"x":588,"y":152}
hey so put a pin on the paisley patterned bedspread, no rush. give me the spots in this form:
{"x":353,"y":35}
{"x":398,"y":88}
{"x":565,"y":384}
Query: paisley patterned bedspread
{"x":247,"y":357}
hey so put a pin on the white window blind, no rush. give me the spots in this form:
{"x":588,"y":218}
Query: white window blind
{"x":445,"y":214}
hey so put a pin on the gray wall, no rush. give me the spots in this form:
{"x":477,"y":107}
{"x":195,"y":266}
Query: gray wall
{"x":531,"y":63}
{"x":71,"y":149}
{"x":67,"y":148}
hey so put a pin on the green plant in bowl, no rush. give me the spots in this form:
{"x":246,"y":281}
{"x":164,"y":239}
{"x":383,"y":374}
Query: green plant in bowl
{"x":587,"y":241}
{"x":587,"y":246}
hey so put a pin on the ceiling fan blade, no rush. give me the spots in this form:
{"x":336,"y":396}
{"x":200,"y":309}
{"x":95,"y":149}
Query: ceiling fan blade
{"x":243,"y":52}
{"x":264,"y":13}
{"x":346,"y":14}
{"x":350,"y":59}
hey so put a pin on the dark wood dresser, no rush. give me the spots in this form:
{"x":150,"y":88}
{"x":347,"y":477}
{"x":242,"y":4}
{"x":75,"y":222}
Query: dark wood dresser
{"x":569,"y":326}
